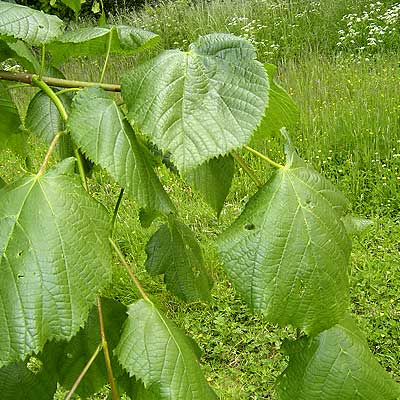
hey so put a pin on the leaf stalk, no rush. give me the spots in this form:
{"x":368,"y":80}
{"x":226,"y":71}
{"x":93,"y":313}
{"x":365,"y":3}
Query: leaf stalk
{"x":107,"y":358}
{"x":247,"y":169}
{"x":130,"y":271}
{"x":103,"y":71}
{"x":83,"y":372}
{"x":264,"y":157}
{"x":49,"y":153}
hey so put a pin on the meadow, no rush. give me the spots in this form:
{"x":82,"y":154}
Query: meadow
{"x":340,"y":62}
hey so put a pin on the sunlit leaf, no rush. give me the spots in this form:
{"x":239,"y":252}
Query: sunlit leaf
{"x":154,"y":350}
{"x":55,"y":258}
{"x":175,"y":252}
{"x":335,"y":365}
{"x":288,"y":253}
{"x":201,"y":103}
{"x":32,"y":26}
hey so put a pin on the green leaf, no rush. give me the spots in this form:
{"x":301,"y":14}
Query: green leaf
{"x":74,"y":5}
{"x":94,"y":42}
{"x":287,"y":254}
{"x":198,"y":104}
{"x":355,"y":225}
{"x":24,"y":381}
{"x":135,"y":389}
{"x":55,"y":258}
{"x":213,"y":180}
{"x":11,"y":136}
{"x":174,"y":251}
{"x":44,"y":121}
{"x":154,"y":350}
{"x":72,"y":356}
{"x":147,"y":216}
{"x":20,"y":52}
{"x":98,"y":126}
{"x":335,"y":365}
{"x":281,"y":110}
{"x":32,"y":26}
{"x":2,"y":183}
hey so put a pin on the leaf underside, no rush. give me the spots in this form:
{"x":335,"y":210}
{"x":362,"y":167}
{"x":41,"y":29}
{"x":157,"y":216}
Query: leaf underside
{"x":335,"y":365}
{"x":94,"y":42}
{"x":281,"y":110}
{"x":175,"y":252}
{"x":97,"y":125}
{"x":55,"y":258}
{"x":154,"y":350}
{"x":32,"y":26}
{"x":213,"y":180}
{"x":287,"y":254}
{"x":198,"y":104}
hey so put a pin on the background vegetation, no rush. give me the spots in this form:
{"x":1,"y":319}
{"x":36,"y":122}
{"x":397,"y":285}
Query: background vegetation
{"x":339,"y":60}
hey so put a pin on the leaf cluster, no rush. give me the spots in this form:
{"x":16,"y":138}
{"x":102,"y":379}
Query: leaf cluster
{"x":287,"y":254}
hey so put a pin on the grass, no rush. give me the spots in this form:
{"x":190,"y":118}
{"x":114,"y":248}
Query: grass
{"x":349,"y":129}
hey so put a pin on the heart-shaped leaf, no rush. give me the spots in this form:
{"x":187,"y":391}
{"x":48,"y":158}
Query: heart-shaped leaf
{"x":55,"y":258}
{"x":201,"y":103}
{"x":32,"y":26}
{"x":154,"y":350}
{"x":287,"y":254}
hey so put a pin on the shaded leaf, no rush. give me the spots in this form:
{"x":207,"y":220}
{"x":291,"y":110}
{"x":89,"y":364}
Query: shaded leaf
{"x":287,"y":254}
{"x":175,"y":252}
{"x":94,"y":42}
{"x":281,"y":110}
{"x":2,"y":182}
{"x":32,"y":26}
{"x":72,"y":356}
{"x":11,"y":136}
{"x":19,"y":382}
{"x":335,"y":365}
{"x":55,"y":258}
{"x":20,"y":52}
{"x":213,"y":180}
{"x":44,"y":121}
{"x":97,"y":125}
{"x":147,"y":216}
{"x":154,"y":350}
{"x":198,"y":104}
{"x":136,"y":390}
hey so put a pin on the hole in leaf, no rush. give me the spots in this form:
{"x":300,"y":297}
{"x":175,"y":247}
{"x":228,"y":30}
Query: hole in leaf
{"x":20,"y":276}
{"x":249,"y":227}
{"x":20,"y":253}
